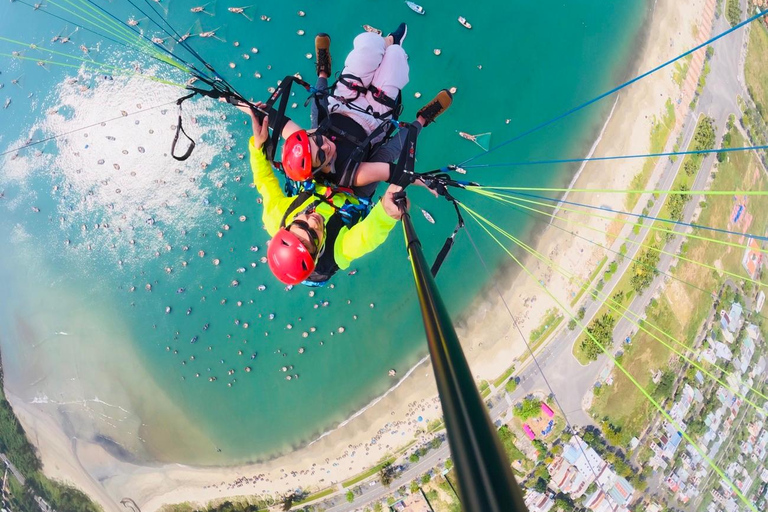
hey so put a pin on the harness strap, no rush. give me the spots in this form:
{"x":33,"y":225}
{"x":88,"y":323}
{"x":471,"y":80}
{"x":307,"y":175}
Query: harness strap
{"x":448,"y":245}
{"x":179,"y":130}
{"x":349,"y":212}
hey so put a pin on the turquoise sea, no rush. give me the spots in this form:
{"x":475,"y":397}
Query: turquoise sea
{"x":116,"y":212}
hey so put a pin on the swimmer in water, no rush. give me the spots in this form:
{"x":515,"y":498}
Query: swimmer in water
{"x":180,"y":290}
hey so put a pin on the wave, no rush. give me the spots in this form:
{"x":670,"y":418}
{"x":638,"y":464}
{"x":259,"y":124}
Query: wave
{"x":589,"y":155}
{"x":372,"y":402}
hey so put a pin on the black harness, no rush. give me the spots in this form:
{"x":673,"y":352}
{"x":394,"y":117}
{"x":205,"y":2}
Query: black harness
{"x":357,"y":147}
{"x":345,"y":216}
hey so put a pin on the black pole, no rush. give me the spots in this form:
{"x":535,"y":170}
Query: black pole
{"x":484,"y":473}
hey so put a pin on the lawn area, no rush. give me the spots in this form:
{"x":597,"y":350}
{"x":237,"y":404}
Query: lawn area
{"x":622,"y":401}
{"x":504,"y":376}
{"x":317,"y":496}
{"x":592,"y":277}
{"x":550,"y":321}
{"x":363,"y":476}
{"x":659,"y":136}
{"x":681,"y":69}
{"x":756,"y":65}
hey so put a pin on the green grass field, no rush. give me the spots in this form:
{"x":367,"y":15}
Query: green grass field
{"x":756,"y":65}
{"x":624,"y":403}
{"x":366,"y":474}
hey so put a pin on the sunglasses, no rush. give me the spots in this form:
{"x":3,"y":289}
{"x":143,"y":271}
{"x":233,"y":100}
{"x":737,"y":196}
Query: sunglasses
{"x":320,"y":153}
{"x":310,"y":233}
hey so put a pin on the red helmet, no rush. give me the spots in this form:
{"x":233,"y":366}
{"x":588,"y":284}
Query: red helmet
{"x":288,"y":258}
{"x":297,"y":156}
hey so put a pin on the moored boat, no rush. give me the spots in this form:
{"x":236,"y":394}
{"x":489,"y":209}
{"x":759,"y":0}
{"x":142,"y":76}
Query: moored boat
{"x":427,"y":216}
{"x":415,"y":7}
{"x":464,"y":22}
{"x":374,"y":30}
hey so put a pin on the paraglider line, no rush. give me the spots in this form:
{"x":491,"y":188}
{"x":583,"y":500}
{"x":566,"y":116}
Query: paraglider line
{"x":619,"y":87}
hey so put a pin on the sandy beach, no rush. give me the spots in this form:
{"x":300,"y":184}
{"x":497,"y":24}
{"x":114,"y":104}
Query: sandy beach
{"x":490,"y":338}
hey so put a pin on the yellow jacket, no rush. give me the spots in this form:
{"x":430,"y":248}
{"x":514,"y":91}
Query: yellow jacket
{"x":351,"y":243}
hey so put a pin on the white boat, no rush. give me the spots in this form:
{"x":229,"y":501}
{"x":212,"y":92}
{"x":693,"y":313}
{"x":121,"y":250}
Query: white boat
{"x":7,"y":102}
{"x":464,"y":22}
{"x":415,"y":7}
{"x":374,"y":30}
{"x":427,"y":216}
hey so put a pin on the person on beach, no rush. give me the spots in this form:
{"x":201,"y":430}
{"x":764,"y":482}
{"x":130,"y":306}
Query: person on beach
{"x":304,"y":226}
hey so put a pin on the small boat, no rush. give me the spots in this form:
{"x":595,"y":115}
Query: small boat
{"x":427,"y":216}
{"x":467,"y":136}
{"x":7,"y":102}
{"x":415,"y":7}
{"x":464,"y":22}
{"x":374,"y":30}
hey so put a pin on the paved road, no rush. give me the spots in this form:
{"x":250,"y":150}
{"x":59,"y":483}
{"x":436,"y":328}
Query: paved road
{"x":570,"y":381}
{"x":13,"y":469}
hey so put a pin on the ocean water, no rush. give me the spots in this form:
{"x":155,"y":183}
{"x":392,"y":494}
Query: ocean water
{"x":117,"y":240}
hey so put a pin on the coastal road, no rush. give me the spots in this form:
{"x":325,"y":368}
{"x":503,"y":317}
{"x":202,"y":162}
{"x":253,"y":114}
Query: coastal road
{"x":569,"y":380}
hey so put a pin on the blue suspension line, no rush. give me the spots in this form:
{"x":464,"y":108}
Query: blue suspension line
{"x":623,"y":157}
{"x":139,"y":33}
{"x":620,"y":255}
{"x":618,"y":88}
{"x":182,"y":42}
{"x":641,"y":216}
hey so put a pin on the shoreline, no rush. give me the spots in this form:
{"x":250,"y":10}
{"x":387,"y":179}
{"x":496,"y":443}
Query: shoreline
{"x":589,"y":155}
{"x":108,"y":479}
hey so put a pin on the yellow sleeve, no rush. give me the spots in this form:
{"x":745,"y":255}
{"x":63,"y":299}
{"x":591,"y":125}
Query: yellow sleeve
{"x":268,"y":186}
{"x":363,"y":237}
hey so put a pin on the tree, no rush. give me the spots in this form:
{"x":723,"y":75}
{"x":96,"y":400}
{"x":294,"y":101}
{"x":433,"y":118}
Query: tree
{"x":664,"y":387}
{"x":541,"y":448}
{"x":448,"y":463}
{"x":571,"y":324}
{"x":386,"y":474}
{"x":530,"y":407}
{"x":425,"y":478}
{"x":612,"y":432}
{"x":414,"y":458}
{"x":511,"y":385}
{"x":644,"y":269}
{"x":540,"y":485}
{"x":599,"y":333}
{"x":733,"y":12}
{"x":414,"y":487}
{"x":350,"y":496}
{"x":677,"y":202}
{"x":542,"y":473}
